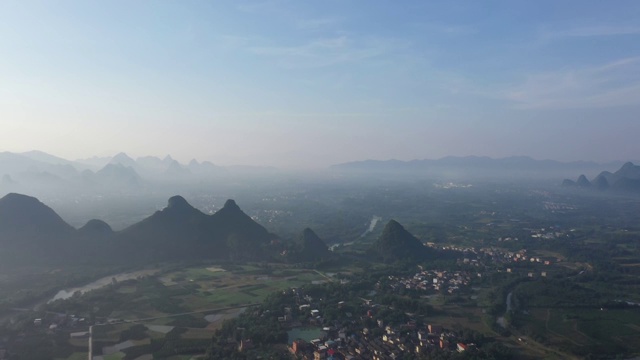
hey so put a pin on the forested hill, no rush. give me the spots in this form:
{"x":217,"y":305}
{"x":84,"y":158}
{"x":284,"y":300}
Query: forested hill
{"x":30,"y":231}
{"x":397,"y":244}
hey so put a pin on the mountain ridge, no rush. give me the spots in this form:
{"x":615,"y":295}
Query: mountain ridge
{"x":177,"y":232}
{"x":625,"y":179}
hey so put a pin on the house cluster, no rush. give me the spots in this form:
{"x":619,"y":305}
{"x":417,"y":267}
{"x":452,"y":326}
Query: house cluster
{"x":486,"y":256}
{"x":431,"y":280}
{"x":54,"y":322}
{"x":557,"y":207}
{"x":392,"y":344}
{"x":378,"y":340}
{"x":547,"y":233}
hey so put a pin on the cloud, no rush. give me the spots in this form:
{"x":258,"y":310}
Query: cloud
{"x":259,"y":6}
{"x":616,"y":83}
{"x":594,"y":31}
{"x":445,"y":28}
{"x":318,"y":23}
{"x":329,"y":51}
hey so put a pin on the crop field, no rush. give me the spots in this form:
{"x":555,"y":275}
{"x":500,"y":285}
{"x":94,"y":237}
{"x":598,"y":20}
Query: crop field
{"x":186,"y":304}
{"x":217,"y":288}
{"x":605,"y":331}
{"x":470,"y":318}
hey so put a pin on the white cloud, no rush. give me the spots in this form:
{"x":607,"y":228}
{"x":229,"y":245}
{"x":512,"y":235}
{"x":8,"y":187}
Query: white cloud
{"x":318,"y":23}
{"x":595,"y":31}
{"x":616,"y":83}
{"x":329,"y":51}
{"x":259,"y":6}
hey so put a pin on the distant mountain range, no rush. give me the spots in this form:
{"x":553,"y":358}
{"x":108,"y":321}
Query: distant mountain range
{"x":625,"y":179}
{"x":478,"y":166}
{"x":31,"y":232}
{"x":35,"y":170}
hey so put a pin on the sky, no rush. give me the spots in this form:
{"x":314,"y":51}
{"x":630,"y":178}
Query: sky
{"x":305,"y":84}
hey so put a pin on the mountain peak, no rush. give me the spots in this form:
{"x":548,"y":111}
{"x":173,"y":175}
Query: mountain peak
{"x":310,"y":247}
{"x":177,"y":202}
{"x":122,"y":158}
{"x":394,"y":225}
{"x":95,"y":226}
{"x":583,"y":181}
{"x":396,"y":243}
{"x":121,"y":155}
{"x":15,"y":198}
{"x":309,"y":233}
{"x":22,"y":214}
{"x":231,"y":204}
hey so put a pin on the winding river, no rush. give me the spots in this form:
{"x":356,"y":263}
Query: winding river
{"x":102,"y":282}
{"x":501,"y":320}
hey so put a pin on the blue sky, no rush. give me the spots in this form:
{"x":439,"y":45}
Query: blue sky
{"x":302,"y":83}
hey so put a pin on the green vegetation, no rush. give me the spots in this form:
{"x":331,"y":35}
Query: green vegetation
{"x":573,"y":296}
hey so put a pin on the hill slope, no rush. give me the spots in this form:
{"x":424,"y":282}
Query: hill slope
{"x":309,"y":247}
{"x":30,"y":231}
{"x":181,"y":231}
{"x":397,"y":244}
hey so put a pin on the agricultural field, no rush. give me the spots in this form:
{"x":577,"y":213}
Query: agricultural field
{"x":606,"y":331}
{"x":174,"y":309}
{"x":214,"y":287}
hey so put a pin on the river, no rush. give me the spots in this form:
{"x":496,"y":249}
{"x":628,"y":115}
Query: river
{"x":372,"y":225}
{"x":67,"y":293}
{"x":501,"y":320}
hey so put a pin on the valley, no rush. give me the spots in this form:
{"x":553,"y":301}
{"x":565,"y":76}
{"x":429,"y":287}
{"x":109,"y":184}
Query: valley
{"x":501,"y":269}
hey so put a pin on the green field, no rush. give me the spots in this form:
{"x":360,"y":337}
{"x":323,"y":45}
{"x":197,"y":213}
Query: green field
{"x":180,"y":299}
{"x":247,"y":284}
{"x":604,"y":331}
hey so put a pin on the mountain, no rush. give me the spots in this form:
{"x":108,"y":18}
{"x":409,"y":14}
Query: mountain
{"x":175,"y":169}
{"x":11,"y":163}
{"x":116,"y":175}
{"x":151,"y":164}
{"x":95,"y":228}
{"x":601,"y":182}
{"x":25,"y":215}
{"x":203,"y":168}
{"x":473,"y":166}
{"x":180,"y":231}
{"x":310,"y":247}
{"x":243,"y":237}
{"x":154,"y":166}
{"x":94,"y":162}
{"x":395,"y":243}
{"x":583,"y":181}
{"x":49,"y":159}
{"x":31,"y":231}
{"x":170,"y":232}
{"x":628,"y":171}
{"x":625,"y":179}
{"x":123,"y":159}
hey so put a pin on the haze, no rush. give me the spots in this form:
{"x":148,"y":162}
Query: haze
{"x":309,"y":84}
